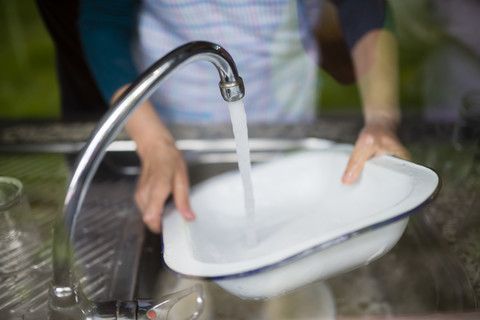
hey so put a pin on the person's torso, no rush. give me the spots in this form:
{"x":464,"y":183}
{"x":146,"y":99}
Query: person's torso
{"x":273,"y":52}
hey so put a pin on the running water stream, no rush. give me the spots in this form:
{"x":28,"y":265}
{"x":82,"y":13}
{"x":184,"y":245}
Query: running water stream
{"x":240,"y":132}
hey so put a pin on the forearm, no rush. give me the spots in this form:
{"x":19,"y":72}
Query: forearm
{"x":145,"y":127}
{"x":376,"y":68}
{"x":369,"y":33}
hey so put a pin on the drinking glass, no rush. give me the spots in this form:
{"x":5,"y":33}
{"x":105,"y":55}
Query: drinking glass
{"x":15,"y":219}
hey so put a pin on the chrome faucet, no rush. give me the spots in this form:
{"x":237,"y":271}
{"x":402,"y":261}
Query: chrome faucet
{"x":66,"y":299}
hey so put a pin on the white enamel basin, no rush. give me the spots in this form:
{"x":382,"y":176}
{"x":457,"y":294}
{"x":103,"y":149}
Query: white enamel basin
{"x":309,"y":225}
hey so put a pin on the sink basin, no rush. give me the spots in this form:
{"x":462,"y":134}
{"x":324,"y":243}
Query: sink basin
{"x":309,"y":226}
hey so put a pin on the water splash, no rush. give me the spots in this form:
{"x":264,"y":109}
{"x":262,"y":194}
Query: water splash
{"x":240,"y":132}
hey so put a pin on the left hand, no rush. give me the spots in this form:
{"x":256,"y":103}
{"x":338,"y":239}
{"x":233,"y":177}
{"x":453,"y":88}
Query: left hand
{"x":373,"y":140}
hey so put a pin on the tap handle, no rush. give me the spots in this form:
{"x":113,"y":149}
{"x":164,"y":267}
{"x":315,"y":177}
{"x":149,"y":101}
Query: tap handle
{"x":160,"y":311}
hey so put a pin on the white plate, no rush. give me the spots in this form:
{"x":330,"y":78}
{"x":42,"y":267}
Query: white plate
{"x":309,"y":225}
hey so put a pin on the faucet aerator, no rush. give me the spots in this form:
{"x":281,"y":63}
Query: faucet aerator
{"x":232,"y":91}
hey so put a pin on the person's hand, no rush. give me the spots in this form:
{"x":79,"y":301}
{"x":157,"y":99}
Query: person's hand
{"x":373,"y":140}
{"x":163,"y":173}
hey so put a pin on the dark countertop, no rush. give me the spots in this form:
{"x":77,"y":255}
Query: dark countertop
{"x":455,"y":210}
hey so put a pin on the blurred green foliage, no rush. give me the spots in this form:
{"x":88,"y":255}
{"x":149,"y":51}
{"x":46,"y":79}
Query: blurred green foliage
{"x":28,"y":83}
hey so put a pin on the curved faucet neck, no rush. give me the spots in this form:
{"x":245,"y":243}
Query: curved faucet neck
{"x":231,"y":88}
